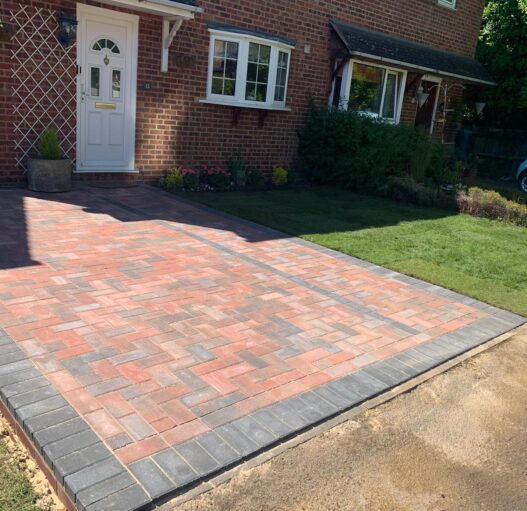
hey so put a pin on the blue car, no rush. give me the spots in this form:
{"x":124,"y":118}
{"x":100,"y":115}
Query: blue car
{"x":521,"y":176}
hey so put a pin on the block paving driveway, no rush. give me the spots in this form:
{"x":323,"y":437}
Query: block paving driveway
{"x":147,"y":342}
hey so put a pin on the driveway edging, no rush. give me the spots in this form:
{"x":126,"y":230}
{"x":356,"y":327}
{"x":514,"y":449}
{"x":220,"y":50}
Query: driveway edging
{"x":325,"y":426}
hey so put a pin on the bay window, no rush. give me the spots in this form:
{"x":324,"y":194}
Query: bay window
{"x":247,"y":70}
{"x":373,"y":90}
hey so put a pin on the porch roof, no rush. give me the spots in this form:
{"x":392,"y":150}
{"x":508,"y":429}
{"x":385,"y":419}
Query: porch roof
{"x":169,"y":9}
{"x":367,"y":43}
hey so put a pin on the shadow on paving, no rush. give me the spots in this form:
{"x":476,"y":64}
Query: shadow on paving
{"x":132,"y":204}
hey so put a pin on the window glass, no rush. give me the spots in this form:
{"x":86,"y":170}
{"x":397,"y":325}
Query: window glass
{"x":247,"y":71}
{"x":95,"y":81}
{"x":366,"y":88}
{"x":106,"y":44}
{"x":281,"y":76}
{"x":388,"y":109}
{"x":225,"y":67}
{"x":257,"y":72}
{"x":116,"y":83}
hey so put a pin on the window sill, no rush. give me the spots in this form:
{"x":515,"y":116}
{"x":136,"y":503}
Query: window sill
{"x":237,"y":104}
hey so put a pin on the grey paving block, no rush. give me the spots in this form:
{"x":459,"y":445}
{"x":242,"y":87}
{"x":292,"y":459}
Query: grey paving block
{"x":345,"y":392}
{"x":385,"y":374}
{"x":408,"y":360}
{"x":49,"y":419}
{"x":11,"y":357}
{"x":217,"y":403}
{"x":80,"y":459}
{"x":271,"y":423}
{"x":8,"y":347}
{"x":363,"y":384}
{"x":219,"y":449}
{"x":237,"y":440}
{"x":222,"y":416}
{"x":315,"y":401}
{"x":433,"y":350}
{"x":201,"y":461}
{"x":14,"y":367}
{"x":32,"y":396}
{"x":175,"y":467}
{"x":348,"y":390}
{"x":151,"y":477}
{"x":288,"y":416}
{"x":24,"y":386}
{"x":253,"y":430}
{"x":332,"y":397}
{"x":40,"y":407}
{"x":68,"y":445}
{"x":118,"y":441}
{"x":16,"y":377}
{"x":91,"y":475}
{"x":396,"y":365}
{"x":131,"y":498}
{"x":103,"y":489}
{"x":108,"y":386}
{"x":311,"y":414}
{"x":58,"y":432}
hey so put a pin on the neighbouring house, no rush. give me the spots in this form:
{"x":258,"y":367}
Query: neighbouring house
{"x":136,"y":86}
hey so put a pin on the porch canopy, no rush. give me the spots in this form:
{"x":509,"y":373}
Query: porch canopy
{"x":370,"y":44}
{"x":173,"y":13}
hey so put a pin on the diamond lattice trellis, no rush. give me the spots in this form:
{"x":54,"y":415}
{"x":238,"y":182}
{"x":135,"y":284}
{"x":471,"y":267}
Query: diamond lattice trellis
{"x":44,"y":77}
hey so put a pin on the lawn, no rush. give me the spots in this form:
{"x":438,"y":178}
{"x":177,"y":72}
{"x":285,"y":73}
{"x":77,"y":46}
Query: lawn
{"x":16,"y":493}
{"x":481,"y":258}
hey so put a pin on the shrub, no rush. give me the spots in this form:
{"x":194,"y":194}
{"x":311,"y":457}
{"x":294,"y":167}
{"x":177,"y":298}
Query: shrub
{"x":238,"y":169}
{"x":173,"y":180}
{"x":190,"y":178}
{"x":354,"y":151}
{"x":490,"y":204}
{"x":279,"y":176}
{"x":407,"y":190}
{"x":218,"y":178}
{"x":254,"y":177}
{"x":48,"y":145}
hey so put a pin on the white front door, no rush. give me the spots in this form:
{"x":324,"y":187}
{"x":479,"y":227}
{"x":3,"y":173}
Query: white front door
{"x":107,"y":54}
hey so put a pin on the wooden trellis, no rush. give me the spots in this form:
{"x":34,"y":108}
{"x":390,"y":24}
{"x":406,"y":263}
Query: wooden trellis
{"x":44,"y":82}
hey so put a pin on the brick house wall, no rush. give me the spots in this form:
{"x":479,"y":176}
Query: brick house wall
{"x":174,"y":128}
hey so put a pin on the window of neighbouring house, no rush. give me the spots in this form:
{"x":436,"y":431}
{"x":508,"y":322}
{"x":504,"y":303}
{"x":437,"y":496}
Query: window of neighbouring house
{"x":373,"y":90}
{"x":248,"y":70}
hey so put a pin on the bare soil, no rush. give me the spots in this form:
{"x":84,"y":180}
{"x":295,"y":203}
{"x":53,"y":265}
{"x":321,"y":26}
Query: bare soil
{"x":47,"y":499}
{"x":457,"y":442}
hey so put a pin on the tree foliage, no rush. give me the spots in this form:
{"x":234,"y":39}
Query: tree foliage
{"x":502,"y":49}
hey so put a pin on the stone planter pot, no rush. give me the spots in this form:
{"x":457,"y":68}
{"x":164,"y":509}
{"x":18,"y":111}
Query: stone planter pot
{"x":49,"y":175}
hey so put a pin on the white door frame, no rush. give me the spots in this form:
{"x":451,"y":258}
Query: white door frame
{"x":106,"y":15}
{"x":437,"y":80}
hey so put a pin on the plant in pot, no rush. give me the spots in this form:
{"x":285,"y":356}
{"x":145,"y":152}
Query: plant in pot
{"x":50,"y":172}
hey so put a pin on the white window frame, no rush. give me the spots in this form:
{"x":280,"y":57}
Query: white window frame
{"x":238,"y":99}
{"x":451,"y":4}
{"x":347,"y":77}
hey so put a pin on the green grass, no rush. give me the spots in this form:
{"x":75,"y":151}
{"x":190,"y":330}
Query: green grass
{"x":481,"y":258}
{"x":16,"y":493}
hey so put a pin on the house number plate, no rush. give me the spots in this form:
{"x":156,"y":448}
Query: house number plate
{"x":105,"y":106}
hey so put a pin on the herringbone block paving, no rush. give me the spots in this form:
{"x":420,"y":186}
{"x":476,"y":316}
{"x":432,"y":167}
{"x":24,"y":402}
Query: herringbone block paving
{"x":159,"y":320}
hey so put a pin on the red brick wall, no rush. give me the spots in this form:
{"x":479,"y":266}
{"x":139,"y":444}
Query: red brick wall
{"x":173,"y":128}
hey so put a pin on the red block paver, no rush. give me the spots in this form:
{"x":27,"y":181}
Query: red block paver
{"x":150,"y":314}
